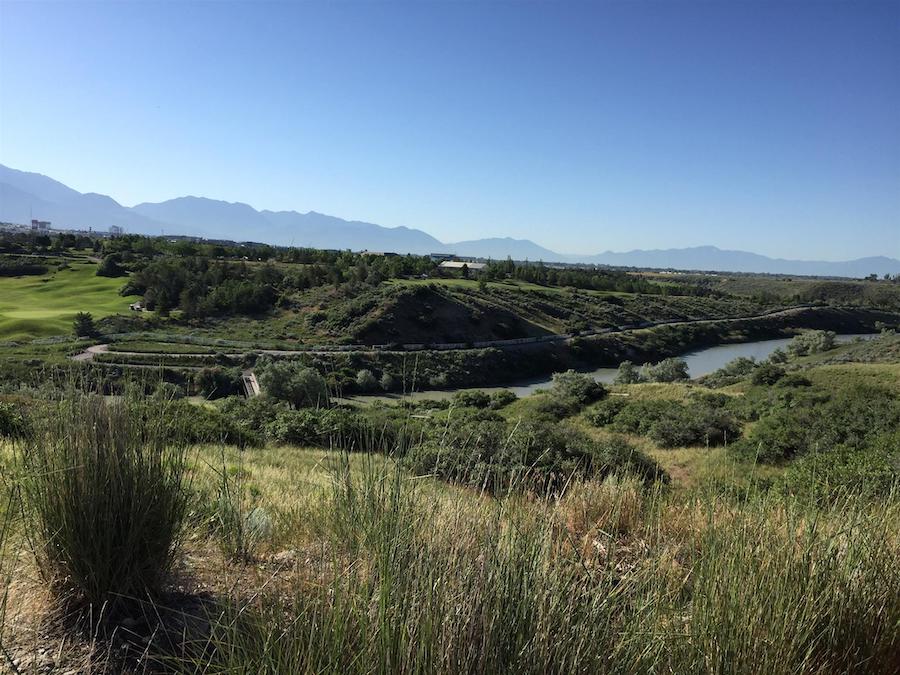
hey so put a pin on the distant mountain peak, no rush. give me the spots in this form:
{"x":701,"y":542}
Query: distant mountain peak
{"x":24,"y":193}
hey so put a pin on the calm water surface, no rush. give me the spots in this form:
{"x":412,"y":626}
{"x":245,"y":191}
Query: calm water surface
{"x":700,"y":362}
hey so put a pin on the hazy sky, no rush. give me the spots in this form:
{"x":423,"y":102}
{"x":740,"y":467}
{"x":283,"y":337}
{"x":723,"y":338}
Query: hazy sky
{"x":772,"y":127}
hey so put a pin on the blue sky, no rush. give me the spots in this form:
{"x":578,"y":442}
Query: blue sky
{"x":772,"y":127}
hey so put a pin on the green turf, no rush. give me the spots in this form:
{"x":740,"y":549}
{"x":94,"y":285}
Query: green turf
{"x":41,"y":306}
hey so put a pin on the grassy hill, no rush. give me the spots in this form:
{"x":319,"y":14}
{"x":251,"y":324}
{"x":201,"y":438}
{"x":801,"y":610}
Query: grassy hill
{"x":43,"y":305}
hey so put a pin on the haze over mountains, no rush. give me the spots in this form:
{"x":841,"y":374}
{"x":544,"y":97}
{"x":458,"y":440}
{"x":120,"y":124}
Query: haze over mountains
{"x":26,"y":195}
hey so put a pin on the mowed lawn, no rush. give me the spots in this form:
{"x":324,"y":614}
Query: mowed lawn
{"x":41,"y":306}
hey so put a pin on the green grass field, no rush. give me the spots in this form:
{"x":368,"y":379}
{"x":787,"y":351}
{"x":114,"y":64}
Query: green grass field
{"x":41,"y":306}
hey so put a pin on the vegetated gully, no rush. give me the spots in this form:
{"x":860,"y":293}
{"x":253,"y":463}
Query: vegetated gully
{"x":701,"y":361}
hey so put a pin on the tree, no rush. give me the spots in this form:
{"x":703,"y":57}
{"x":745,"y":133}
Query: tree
{"x":291,"y":381}
{"x":628,"y":374}
{"x":84,"y":325}
{"x":578,"y":386}
{"x":387,"y":381}
{"x":110,"y":267}
{"x":811,"y":342}
{"x":667,"y":370}
{"x":365,"y":380}
{"x":767,"y":373}
{"x":778,"y":356}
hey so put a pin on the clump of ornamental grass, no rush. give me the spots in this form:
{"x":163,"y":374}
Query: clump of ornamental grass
{"x":104,"y":496}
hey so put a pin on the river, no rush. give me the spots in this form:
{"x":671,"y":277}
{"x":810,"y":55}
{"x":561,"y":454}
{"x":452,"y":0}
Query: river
{"x":700,"y":362}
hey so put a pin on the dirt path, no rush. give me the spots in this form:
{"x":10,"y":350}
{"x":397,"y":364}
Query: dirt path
{"x":88,"y":354}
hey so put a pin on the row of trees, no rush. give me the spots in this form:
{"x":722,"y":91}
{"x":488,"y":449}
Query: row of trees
{"x":592,"y":278}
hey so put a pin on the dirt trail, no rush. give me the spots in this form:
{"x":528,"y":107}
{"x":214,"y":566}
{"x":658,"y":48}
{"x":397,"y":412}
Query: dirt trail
{"x":88,"y":354}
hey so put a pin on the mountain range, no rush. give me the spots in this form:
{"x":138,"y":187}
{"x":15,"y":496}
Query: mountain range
{"x":25,"y":195}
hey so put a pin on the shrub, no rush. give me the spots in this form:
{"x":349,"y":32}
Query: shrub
{"x":300,"y":386}
{"x":778,"y":356}
{"x":767,"y":373}
{"x":794,"y":380}
{"x":667,"y":370}
{"x":251,"y":414}
{"x":872,"y":471}
{"x":365,"y":380}
{"x":438,"y":380}
{"x":13,"y":423}
{"x":83,"y":325}
{"x":628,"y":374}
{"x":472,"y":399}
{"x":294,"y":427}
{"x":216,"y":382}
{"x":638,"y":416}
{"x":555,"y":408}
{"x":695,"y":424}
{"x":111,"y":266}
{"x":733,"y":371}
{"x":815,"y":423}
{"x":386,"y":381}
{"x":533,"y":456}
{"x":104,"y":493}
{"x":580,"y":387}
{"x":811,"y":342}
{"x":241,"y":525}
{"x":501,"y":399}
{"x":605,"y":412}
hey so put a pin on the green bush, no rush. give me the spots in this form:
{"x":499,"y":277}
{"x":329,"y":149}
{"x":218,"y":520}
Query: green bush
{"x":695,"y":424}
{"x":365,"y":380}
{"x":871,"y":471}
{"x":606,"y":411}
{"x":472,"y":399}
{"x":811,"y":342}
{"x":501,"y":399}
{"x":293,"y":382}
{"x":767,"y":374}
{"x":801,"y":424}
{"x":533,"y":455}
{"x":555,"y":408}
{"x":104,"y":494}
{"x":639,"y":416}
{"x":702,"y":421}
{"x":13,"y":422}
{"x":216,"y":382}
{"x":580,"y":387}
{"x":628,"y":374}
{"x":667,"y":370}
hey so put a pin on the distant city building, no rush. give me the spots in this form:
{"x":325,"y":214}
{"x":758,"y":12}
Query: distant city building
{"x":437,"y":257}
{"x":40,"y":225}
{"x":116,"y":230}
{"x":459,"y":264}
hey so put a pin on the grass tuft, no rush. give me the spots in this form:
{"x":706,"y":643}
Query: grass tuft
{"x":104,"y":496}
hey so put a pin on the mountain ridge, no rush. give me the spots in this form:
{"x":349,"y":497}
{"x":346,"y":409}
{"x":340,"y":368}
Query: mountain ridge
{"x":21,"y":192}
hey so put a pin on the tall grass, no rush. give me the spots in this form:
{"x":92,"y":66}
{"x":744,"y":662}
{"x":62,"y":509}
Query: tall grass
{"x":7,"y":564}
{"x":104,"y":498}
{"x":608,"y":579}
